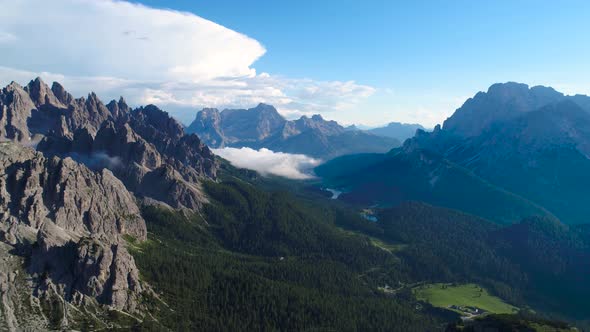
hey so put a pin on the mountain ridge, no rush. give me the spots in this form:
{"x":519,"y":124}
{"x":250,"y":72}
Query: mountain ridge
{"x":76,"y":215}
{"x":534,"y":154}
{"x":532,"y":142}
{"x":503,"y":101}
{"x":397,"y":130}
{"x":144,"y":147}
{"x":263,"y":127}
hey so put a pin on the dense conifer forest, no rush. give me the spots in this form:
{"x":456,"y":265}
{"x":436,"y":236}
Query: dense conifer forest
{"x":269,"y":260}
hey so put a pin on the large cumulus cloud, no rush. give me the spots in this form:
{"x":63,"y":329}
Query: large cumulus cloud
{"x":178,"y":60}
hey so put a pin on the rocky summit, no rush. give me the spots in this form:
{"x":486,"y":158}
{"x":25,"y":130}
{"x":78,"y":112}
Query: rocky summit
{"x":145,"y":148}
{"x":263,"y":127}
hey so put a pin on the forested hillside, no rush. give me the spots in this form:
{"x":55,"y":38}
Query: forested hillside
{"x":259,"y":260}
{"x":267,"y":262}
{"x":389,"y":179}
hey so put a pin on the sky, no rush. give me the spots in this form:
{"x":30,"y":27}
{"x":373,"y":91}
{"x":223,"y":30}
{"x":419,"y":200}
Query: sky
{"x":365,"y":62}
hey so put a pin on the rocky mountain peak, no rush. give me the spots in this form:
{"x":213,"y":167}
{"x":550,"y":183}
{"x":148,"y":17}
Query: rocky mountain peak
{"x":255,"y":123}
{"x":123,"y":106}
{"x":15,"y":110}
{"x":266,"y":112}
{"x":511,"y":91}
{"x":96,"y":112}
{"x":93,"y":98}
{"x":508,"y":90}
{"x":41,"y":94}
{"x":152,"y":119}
{"x":133,"y":144}
{"x":501,"y":102}
{"x":262,"y":107}
{"x":208,"y":124}
{"x":61,"y":94}
{"x":119,"y":109}
{"x":317,"y":122}
{"x":13,"y":86}
{"x":208,"y":113}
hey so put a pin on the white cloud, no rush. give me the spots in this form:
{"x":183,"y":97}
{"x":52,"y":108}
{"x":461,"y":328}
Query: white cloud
{"x":177,"y":60}
{"x":292,"y":97}
{"x":122,"y":39}
{"x":265,"y":162}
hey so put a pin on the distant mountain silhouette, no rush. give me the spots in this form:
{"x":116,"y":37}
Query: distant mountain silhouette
{"x":263,"y":127}
{"x":397,"y":130}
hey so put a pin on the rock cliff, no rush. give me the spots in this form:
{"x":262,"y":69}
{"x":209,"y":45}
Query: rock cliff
{"x":68,"y":223}
{"x":145,"y":148}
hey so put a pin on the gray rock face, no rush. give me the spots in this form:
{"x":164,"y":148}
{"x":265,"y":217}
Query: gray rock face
{"x":264,"y":127}
{"x":148,"y":151}
{"x":61,"y":94}
{"x":16,"y":108}
{"x":119,"y":110}
{"x":133,"y":144}
{"x":36,"y":189}
{"x":41,"y":94}
{"x":77,"y":217}
{"x":107,"y":272}
{"x":316,"y":122}
{"x":254,"y":124}
{"x":36,"y":110}
{"x":208,"y":126}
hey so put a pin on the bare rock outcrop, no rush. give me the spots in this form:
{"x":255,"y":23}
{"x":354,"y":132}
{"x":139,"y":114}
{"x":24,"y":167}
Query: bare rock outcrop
{"x":36,"y":110}
{"x":41,"y":94}
{"x":132,"y":144}
{"x":15,"y":109}
{"x":77,"y":218}
{"x":148,"y":151}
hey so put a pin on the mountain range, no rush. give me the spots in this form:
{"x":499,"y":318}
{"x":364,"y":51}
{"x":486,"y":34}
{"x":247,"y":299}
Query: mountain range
{"x":263,"y":127}
{"x":532,"y":142}
{"x":113,"y":218}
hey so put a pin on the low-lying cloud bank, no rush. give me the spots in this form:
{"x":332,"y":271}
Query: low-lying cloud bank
{"x":267,"y":162}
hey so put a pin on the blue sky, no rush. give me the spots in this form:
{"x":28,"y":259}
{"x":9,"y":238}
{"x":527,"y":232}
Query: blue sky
{"x":415,"y":48}
{"x":409,"y":61}
{"x":378,"y":42}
